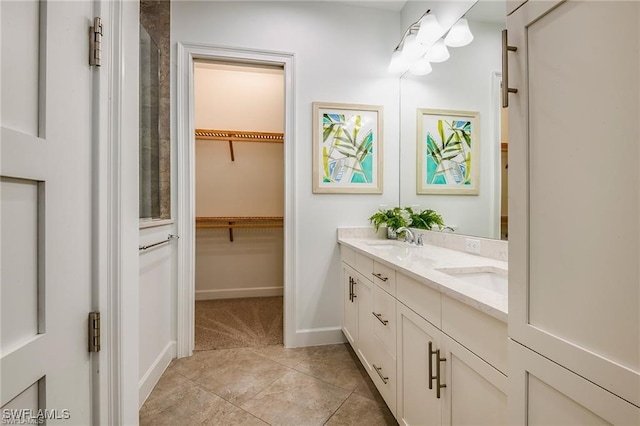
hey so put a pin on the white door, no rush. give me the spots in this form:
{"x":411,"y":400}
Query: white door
{"x":46,"y":222}
{"x":574,"y":204}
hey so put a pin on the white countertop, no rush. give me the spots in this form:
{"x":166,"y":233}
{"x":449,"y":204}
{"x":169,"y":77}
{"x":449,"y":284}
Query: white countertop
{"x":420,"y":263}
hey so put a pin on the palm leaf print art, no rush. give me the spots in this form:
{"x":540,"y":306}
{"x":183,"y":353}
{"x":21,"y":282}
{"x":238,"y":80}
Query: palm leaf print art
{"x":347,"y":153}
{"x":449,"y":153}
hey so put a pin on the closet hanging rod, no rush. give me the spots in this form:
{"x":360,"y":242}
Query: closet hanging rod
{"x":239,"y":136}
{"x":231,"y":222}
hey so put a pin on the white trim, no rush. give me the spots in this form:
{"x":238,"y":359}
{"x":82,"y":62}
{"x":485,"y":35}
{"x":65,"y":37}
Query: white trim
{"x":186,"y":53}
{"x":233,"y":293}
{"x":320,"y":336}
{"x":107,"y":365}
{"x":153,"y":374}
{"x":155,"y":222}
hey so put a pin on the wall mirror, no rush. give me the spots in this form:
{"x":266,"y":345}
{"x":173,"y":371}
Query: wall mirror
{"x":468,"y":81}
{"x":154,"y":130}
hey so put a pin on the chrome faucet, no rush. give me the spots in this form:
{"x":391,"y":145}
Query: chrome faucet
{"x":408,"y":235}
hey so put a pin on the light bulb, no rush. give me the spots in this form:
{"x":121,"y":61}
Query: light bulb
{"x":398,"y":65}
{"x":420,"y":67}
{"x":459,"y":35}
{"x":438,"y":52}
{"x":430,"y":30}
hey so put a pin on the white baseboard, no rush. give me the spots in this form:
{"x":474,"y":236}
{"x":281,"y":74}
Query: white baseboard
{"x":319,"y":336}
{"x":234,"y":293}
{"x":152,"y":375}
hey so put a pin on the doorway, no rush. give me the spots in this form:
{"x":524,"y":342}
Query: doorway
{"x":187,"y":57}
{"x":239,"y":204}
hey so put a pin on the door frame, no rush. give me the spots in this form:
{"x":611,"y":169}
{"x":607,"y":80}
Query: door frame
{"x":115,"y":266}
{"x":186,"y":54}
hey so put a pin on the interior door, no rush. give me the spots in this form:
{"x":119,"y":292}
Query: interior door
{"x":46,"y":181}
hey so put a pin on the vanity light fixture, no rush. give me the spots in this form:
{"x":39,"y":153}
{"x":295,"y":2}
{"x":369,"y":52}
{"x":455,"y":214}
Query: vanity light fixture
{"x":429,"y":30}
{"x":459,"y":35}
{"x":423,"y":43}
{"x":438,"y":52}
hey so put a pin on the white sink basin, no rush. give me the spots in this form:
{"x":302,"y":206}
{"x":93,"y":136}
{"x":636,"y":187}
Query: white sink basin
{"x":487,"y":277}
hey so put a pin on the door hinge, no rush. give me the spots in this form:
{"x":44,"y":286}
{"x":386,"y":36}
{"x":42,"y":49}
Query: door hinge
{"x":95,"y":42}
{"x":94,"y":331}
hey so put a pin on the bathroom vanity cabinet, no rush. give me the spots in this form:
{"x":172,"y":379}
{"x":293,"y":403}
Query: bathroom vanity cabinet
{"x":574,"y":287}
{"x":429,"y":354}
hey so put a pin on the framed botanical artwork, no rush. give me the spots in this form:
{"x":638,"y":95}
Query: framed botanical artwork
{"x":447,"y":152}
{"x":347,"y":148}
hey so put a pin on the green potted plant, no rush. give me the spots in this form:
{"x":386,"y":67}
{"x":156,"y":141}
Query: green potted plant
{"x":393,"y":218}
{"x":424,"y":219}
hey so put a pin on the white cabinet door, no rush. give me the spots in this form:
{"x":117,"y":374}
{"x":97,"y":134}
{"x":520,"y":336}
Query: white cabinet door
{"x":46,"y":210}
{"x":349,"y":307}
{"x":476,"y":392}
{"x":363,"y":293}
{"x":542,"y":392}
{"x":416,"y":403}
{"x":574,"y":209}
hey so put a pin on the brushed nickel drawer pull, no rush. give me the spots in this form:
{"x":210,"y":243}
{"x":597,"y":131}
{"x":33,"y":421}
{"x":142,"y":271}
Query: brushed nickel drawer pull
{"x":505,"y":70}
{"x":431,"y":376}
{"x":379,"y":316}
{"x":385,"y":380}
{"x":380,"y":276}
{"x":438,"y":385}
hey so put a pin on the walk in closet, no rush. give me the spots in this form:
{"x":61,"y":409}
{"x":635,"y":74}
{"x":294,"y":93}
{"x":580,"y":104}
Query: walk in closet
{"x":239,"y":185}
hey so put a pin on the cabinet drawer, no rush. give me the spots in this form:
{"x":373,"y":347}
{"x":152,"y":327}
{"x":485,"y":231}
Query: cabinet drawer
{"x":384,"y":374}
{"x":421,"y":298}
{"x":348,"y":255}
{"x":384,"y":319}
{"x":384,"y":277}
{"x":480,"y":333}
{"x":364,"y":265}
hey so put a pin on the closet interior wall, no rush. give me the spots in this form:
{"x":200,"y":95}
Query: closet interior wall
{"x":237,"y":180}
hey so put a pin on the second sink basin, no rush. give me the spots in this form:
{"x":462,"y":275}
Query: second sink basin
{"x":487,"y":277}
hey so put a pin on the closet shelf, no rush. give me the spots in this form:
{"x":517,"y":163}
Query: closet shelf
{"x":231,"y":222}
{"x":238,"y":136}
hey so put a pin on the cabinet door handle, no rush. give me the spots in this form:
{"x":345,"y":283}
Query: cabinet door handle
{"x":385,"y":380}
{"x":380,"y":276}
{"x":379,"y":316}
{"x":505,"y":70}
{"x":431,"y":376}
{"x":351,"y":289}
{"x":439,"y":385}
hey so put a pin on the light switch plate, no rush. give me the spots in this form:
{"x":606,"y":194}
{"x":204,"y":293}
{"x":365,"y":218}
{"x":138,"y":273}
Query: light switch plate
{"x":472,"y":245}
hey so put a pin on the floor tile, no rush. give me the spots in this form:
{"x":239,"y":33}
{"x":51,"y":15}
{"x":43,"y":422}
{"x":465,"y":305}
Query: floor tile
{"x":289,"y":356}
{"x":359,"y":410}
{"x":233,"y":374}
{"x":296,"y":399}
{"x":189,"y":404}
{"x":335,"y":364}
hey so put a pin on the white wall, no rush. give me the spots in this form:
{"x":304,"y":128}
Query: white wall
{"x":157,"y":308}
{"x":229,"y":97}
{"x":341,"y":55}
{"x":461,"y":83}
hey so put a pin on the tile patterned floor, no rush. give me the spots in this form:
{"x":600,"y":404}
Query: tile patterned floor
{"x":267,"y":386}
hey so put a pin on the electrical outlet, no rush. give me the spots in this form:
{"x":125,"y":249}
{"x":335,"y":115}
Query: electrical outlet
{"x":472,"y":245}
